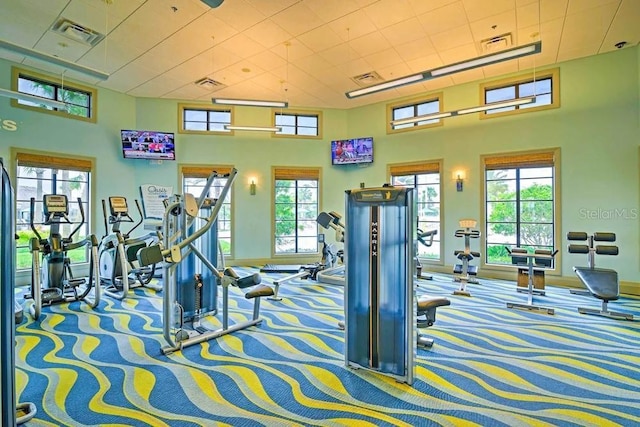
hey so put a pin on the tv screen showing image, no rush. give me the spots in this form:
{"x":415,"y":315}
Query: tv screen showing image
{"x":352,"y":151}
{"x":149,"y":145}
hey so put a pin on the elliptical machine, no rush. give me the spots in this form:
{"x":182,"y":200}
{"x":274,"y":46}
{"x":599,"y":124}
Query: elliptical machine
{"x":118,"y":251}
{"x":52,"y":280}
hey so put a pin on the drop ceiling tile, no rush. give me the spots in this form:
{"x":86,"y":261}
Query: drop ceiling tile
{"x":624,"y":27}
{"x":388,"y":12}
{"x":369,"y":44}
{"x":330,"y":10}
{"x":552,"y":9}
{"x":240,"y":14}
{"x":477,"y":10}
{"x":494,"y":25}
{"x":395,"y":71}
{"x":313,"y":64}
{"x":460,"y":53}
{"x":577,"y":52}
{"x":404,"y":32}
{"x":416,"y":49}
{"x":129,"y":77}
{"x":320,"y":38}
{"x":268,"y":60}
{"x":352,"y":26}
{"x":271,"y":7}
{"x":242,"y":45}
{"x":528,"y":15}
{"x":210,"y":29}
{"x":587,"y":27}
{"x":424,"y":63}
{"x":466,"y":77}
{"x":586,"y":5}
{"x":500,"y":69}
{"x":298,"y":19}
{"x":268,"y":33}
{"x":24,"y":22}
{"x":385,"y":58}
{"x":444,"y":19}
{"x":452,"y":38}
{"x":438,"y":84}
{"x":422,"y":6}
{"x":190,"y":92}
{"x":62,"y":47}
{"x":340,"y":54}
{"x":159,"y":85}
{"x":292,"y":51}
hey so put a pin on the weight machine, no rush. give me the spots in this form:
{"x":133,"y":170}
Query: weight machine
{"x":184,"y":300}
{"x":52,"y":280}
{"x":11,"y":413}
{"x":380,"y":312}
{"x":328,"y":270}
{"x":118,"y":251}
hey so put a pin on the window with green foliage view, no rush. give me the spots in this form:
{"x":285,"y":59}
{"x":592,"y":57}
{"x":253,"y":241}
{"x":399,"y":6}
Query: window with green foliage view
{"x":36,"y":181}
{"x":519,"y":211}
{"x":296,"y":210}
{"x":78,"y":102}
{"x":195,"y":185}
{"x":427,"y":195}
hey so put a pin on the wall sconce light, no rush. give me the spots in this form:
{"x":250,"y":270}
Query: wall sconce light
{"x":459,"y":176}
{"x":252,"y":188}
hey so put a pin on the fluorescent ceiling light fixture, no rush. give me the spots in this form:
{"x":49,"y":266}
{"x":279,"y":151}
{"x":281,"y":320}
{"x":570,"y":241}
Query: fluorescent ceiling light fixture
{"x":387,"y":85}
{"x":500,"y":104}
{"x":481,"y":61}
{"x":494,"y":58}
{"x":92,"y":72}
{"x":254,"y":128}
{"x":33,"y":98}
{"x":486,"y":107}
{"x":408,"y":120}
{"x":250,"y":102}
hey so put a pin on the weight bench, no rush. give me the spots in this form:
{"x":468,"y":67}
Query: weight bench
{"x":601,"y":283}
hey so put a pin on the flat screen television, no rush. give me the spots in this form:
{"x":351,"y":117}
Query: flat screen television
{"x":149,"y":145}
{"x":352,"y":151}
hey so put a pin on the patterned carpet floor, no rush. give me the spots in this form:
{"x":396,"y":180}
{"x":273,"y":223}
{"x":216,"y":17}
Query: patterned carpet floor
{"x":490,"y":365}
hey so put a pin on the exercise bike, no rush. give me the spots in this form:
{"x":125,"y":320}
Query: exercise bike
{"x":119,"y":271}
{"x":464,"y":272}
{"x":52,"y":280}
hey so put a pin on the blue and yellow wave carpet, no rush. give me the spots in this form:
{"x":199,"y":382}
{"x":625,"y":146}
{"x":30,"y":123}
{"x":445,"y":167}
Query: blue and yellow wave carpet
{"x":490,"y":365}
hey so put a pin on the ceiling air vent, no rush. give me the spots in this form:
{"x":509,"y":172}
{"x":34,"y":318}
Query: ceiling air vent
{"x":494,"y":44}
{"x":209,"y":84}
{"x":367,"y":79}
{"x":77,"y":32}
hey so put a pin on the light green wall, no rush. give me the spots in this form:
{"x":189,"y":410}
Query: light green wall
{"x":596,"y":128}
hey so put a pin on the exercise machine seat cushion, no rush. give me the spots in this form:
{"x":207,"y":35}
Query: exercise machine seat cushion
{"x":468,"y":255}
{"x":426,"y":303}
{"x":601,"y":282}
{"x":260,"y":291}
